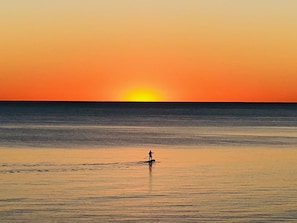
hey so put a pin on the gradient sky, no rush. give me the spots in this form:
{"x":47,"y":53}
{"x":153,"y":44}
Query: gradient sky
{"x":168,"y":50}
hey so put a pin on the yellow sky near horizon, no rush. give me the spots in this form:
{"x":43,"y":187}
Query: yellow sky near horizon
{"x":190,"y":50}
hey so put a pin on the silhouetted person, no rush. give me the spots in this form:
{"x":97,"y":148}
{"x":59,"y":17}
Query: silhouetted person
{"x":150,"y":155}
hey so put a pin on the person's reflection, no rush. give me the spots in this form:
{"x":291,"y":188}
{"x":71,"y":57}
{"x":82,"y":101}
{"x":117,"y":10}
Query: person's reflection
{"x":150,"y":176}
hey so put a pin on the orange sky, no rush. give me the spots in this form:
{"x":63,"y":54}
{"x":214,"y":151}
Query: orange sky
{"x":164,"y":50}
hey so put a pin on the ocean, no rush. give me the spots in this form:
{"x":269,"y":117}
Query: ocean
{"x":84,"y":162}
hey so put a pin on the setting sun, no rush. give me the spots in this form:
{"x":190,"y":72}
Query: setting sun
{"x":142,"y":95}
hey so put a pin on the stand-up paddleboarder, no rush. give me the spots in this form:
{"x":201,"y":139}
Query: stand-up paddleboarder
{"x":150,"y":155}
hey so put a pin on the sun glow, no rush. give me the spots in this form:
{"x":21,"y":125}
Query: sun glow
{"x":142,"y":95}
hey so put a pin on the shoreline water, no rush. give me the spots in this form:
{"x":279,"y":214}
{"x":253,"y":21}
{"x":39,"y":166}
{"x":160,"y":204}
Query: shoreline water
{"x":184,"y":185}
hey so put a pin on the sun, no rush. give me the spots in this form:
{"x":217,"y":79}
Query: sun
{"x":142,"y":95}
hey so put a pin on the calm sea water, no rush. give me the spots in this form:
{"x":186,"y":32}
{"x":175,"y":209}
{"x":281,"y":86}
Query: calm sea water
{"x":94,"y":125}
{"x":84,"y":162}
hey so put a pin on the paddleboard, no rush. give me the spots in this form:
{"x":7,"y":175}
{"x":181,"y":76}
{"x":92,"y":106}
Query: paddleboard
{"x":150,"y":161}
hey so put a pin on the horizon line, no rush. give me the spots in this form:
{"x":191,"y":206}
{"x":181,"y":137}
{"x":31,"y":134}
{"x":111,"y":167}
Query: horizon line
{"x":94,"y":101}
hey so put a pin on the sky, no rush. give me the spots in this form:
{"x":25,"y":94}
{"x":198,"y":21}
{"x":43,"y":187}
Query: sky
{"x":156,"y":50}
